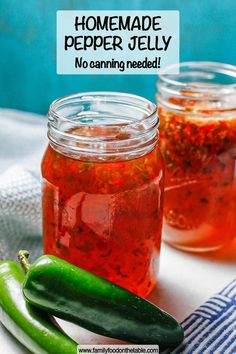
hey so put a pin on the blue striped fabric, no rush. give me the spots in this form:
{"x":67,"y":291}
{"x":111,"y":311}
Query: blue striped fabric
{"x":211,"y":329}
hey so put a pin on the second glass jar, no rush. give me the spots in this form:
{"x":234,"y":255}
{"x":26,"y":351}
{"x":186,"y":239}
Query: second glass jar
{"x":103,"y":187}
{"x":197,"y":110}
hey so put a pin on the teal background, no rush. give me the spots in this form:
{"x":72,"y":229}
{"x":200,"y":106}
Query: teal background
{"x":28,"y":78}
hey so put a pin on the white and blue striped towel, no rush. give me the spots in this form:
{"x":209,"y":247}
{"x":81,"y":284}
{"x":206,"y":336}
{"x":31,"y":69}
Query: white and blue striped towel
{"x":211,"y":329}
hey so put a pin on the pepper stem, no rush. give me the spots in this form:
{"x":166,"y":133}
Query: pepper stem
{"x":23,"y":257}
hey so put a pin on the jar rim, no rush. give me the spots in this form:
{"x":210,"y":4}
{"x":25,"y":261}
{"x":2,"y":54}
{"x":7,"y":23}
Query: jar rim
{"x":210,"y":66}
{"x":97,"y":95}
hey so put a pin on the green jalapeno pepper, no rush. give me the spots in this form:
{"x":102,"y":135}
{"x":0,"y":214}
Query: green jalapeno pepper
{"x":35,"y":330}
{"x":73,"y":294}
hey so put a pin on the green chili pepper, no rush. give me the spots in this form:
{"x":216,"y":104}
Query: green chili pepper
{"x":73,"y":294}
{"x":32,"y":328}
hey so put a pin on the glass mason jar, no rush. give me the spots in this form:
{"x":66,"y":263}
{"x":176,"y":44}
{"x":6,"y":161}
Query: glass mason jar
{"x":197,"y":110}
{"x":103,"y":187}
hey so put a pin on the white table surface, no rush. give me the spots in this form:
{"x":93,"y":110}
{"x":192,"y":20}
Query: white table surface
{"x":185,"y":282}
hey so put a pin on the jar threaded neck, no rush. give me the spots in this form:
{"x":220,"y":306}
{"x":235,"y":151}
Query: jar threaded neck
{"x":103,"y":125}
{"x":199,"y":88}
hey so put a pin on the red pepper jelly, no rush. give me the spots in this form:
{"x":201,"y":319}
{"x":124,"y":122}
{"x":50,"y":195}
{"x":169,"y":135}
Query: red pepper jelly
{"x":197,"y":109}
{"x":103,"y":187}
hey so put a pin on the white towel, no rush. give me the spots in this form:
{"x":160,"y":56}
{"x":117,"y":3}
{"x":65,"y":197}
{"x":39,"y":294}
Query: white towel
{"x":23,"y":139}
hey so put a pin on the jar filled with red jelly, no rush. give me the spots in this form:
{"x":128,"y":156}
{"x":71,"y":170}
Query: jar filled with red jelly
{"x":103,"y":187}
{"x":197,"y":110}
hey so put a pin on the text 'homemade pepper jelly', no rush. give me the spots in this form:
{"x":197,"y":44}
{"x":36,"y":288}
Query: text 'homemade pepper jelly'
{"x":103,"y":187}
{"x":197,"y":110}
